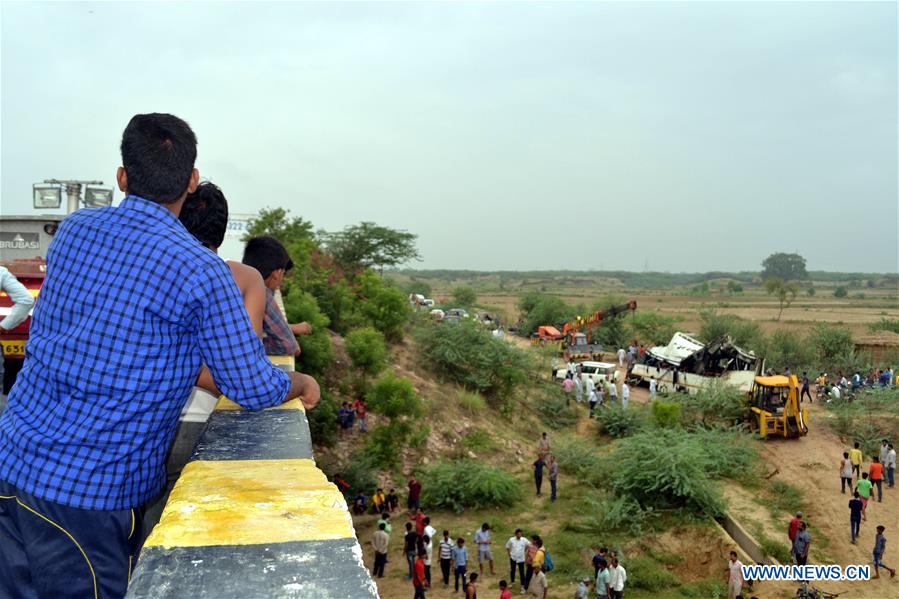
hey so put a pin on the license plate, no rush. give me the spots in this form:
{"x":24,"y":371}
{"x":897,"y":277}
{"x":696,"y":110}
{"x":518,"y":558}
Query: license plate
{"x":13,"y":349}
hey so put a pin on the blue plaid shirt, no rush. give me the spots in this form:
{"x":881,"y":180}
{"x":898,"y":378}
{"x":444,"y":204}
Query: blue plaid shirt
{"x":131,"y":307}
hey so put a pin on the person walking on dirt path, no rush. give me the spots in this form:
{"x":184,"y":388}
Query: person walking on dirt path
{"x":625,"y":395}
{"x":880,"y":545}
{"x":419,"y":581}
{"x":621,"y":353}
{"x":805,"y":388}
{"x":578,"y":388}
{"x":884,"y":451}
{"x":380,"y":540}
{"x":864,"y":488}
{"x":591,"y":401}
{"x":429,"y":551}
{"x":617,"y":578}
{"x":653,"y":386}
{"x":734,"y":577}
{"x":875,"y":474}
{"x":891,"y":466}
{"x":553,"y":478}
{"x":793,"y":529}
{"x":538,"y":474}
{"x":446,"y":556}
{"x":855,"y":456}
{"x":517,"y":547}
{"x":855,"y":517}
{"x":543,"y":447}
{"x":460,"y":563}
{"x":845,"y":473}
{"x":801,"y":544}
{"x":602,"y":579}
{"x":601,"y":393}
{"x":613,"y":392}
{"x":483,"y":542}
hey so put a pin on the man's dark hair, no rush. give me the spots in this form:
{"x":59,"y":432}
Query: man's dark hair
{"x":158,"y":155}
{"x":503,"y":584}
{"x":382,"y":526}
{"x":408,"y":526}
{"x":205,"y":215}
{"x":473,"y":577}
{"x":856,"y":444}
{"x":265,"y":254}
{"x":426,"y":521}
{"x":733,"y":553}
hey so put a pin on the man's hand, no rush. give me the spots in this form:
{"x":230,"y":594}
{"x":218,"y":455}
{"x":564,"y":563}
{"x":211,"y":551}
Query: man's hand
{"x":304,"y":328}
{"x":305,"y":387}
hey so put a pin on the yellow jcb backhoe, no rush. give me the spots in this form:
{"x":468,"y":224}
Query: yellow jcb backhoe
{"x":775,"y":410}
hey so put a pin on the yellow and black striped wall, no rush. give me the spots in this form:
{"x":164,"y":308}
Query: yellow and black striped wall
{"x":252,"y":516}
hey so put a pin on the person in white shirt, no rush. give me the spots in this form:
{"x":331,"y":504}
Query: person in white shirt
{"x":625,"y":395}
{"x":891,"y":466}
{"x":517,"y":547}
{"x":613,"y":391}
{"x":653,"y":385}
{"x":600,"y":393}
{"x":446,"y":556}
{"x":834,"y":393}
{"x":617,"y":578}
{"x":734,"y":577}
{"x":578,"y":387}
{"x":621,"y":354}
{"x":13,"y":316}
{"x":430,"y":531}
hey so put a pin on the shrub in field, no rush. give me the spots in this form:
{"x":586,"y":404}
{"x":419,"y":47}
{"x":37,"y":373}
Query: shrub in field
{"x":775,"y":549}
{"x":385,"y":442}
{"x":718,"y":404}
{"x":666,"y":414}
{"x":648,"y":574}
{"x":672,"y":469}
{"x":386,"y":308}
{"x":786,"y":349}
{"x":555,"y":407}
{"x":468,"y":484}
{"x":323,"y":420}
{"x":579,"y":459}
{"x":783,"y":498}
{"x":616,"y":422}
{"x":472,"y":403}
{"x":746,"y":334}
{"x":478,"y":440}
{"x":830,"y":342}
{"x":621,"y":513}
{"x":652,"y":328}
{"x":468,"y":354}
{"x":359,"y":471}
{"x":465,"y":296}
{"x":367,"y":350}
{"x":316,"y":355}
{"x":394,"y":397}
{"x":539,"y":309}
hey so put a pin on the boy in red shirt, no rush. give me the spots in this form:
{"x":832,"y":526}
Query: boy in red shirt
{"x":875,"y":473}
{"x":360,"y":408}
{"x":505,"y":593}
{"x":419,"y":580}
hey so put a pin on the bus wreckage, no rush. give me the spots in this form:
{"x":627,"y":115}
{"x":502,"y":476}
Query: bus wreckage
{"x":688,"y":365}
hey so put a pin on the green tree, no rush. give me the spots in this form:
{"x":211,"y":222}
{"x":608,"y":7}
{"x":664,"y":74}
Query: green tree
{"x":385,"y":308}
{"x":369,"y":245}
{"x":277,"y":223}
{"x":316,"y":354}
{"x":810,"y":292}
{"x":840,"y":292}
{"x":540,"y":309}
{"x":787,"y":267}
{"x":367,"y":350}
{"x":652,"y":327}
{"x":784,"y":292}
{"x":394,"y":397}
{"x":465,"y":296}
{"x":734,"y":287}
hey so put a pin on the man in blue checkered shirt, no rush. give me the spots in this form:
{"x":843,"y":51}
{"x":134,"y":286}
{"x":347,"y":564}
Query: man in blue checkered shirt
{"x":131,"y":307}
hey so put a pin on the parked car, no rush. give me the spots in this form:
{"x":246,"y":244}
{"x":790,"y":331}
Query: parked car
{"x":593,"y":370}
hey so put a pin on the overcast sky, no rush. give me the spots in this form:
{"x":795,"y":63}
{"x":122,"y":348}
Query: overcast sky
{"x":678,"y":136}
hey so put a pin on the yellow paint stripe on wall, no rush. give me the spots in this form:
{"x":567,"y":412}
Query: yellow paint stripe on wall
{"x":226,"y":404}
{"x":251,"y":502}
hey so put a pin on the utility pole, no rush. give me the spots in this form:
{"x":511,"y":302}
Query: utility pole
{"x":73,"y":191}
